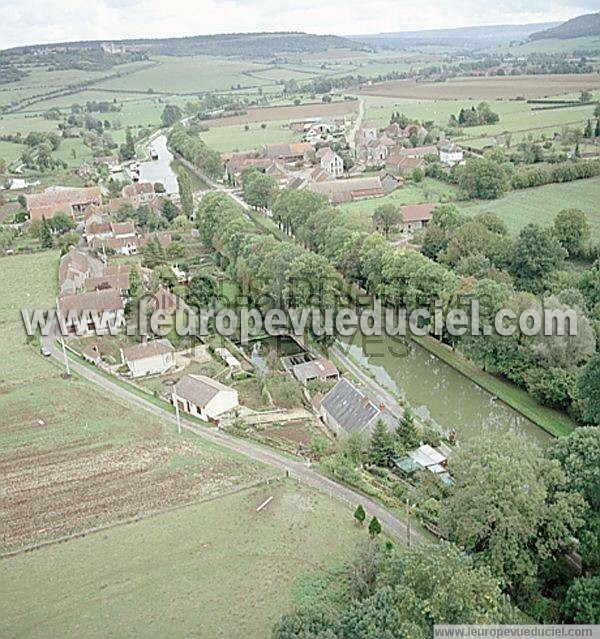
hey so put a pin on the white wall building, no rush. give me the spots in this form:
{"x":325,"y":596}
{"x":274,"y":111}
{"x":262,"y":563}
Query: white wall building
{"x":150,"y":358}
{"x":204,"y":397}
{"x":451,"y":154}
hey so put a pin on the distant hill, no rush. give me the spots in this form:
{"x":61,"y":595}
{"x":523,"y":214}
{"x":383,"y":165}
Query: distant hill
{"x":468,"y":37}
{"x":227,"y":44}
{"x":582,"y":26}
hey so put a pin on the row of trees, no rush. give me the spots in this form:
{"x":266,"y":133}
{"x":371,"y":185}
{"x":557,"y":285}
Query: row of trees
{"x":463,"y":259}
{"x":490,"y":177}
{"x":188,"y":144}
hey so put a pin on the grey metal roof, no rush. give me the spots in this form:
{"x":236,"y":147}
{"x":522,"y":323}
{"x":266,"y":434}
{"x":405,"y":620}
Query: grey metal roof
{"x":350,"y":408}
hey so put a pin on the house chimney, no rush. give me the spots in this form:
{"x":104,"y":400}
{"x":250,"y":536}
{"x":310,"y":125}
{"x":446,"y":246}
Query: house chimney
{"x":366,"y":400}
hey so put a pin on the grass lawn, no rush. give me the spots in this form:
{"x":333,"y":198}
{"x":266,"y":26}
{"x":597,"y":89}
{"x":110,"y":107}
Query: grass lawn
{"x":429,"y":190}
{"x":235,"y":137}
{"x":542,"y":203}
{"x":515,"y":116}
{"x":217,"y":569}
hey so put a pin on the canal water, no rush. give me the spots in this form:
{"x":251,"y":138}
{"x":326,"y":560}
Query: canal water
{"x":162,"y":169}
{"x":436,"y":391}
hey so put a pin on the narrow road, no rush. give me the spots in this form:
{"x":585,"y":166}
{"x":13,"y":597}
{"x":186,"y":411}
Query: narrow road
{"x":298,"y":470}
{"x":357,"y":124}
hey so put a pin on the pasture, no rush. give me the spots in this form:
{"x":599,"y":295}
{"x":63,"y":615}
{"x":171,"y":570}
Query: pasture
{"x":542,"y":203}
{"x":486,"y":88}
{"x":216,"y":570}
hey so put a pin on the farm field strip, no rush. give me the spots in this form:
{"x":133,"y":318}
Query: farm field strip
{"x":534,"y":86}
{"x":541,"y":204}
{"x":171,"y":573}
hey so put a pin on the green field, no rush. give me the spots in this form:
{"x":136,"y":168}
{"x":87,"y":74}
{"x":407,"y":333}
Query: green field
{"x":235,"y":138}
{"x":552,"y":45}
{"x":515,"y":116}
{"x":542,"y":203}
{"x":218,"y":569}
{"x":188,"y":75}
{"x":429,"y":190}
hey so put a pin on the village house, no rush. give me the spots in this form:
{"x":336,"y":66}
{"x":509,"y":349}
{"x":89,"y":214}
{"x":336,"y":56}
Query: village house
{"x":415,"y":216}
{"x":277,"y":171}
{"x":204,"y":397}
{"x":167,"y":302}
{"x":97,"y":227}
{"x":367,"y":132}
{"x":118,"y":245}
{"x":321,"y":369}
{"x":235,"y":163}
{"x":118,"y":281}
{"x":451,"y":154}
{"x":149,"y":358}
{"x":59,"y":199}
{"x":349,"y":189}
{"x":374,"y":153}
{"x":402,"y":165}
{"x":331,"y":162}
{"x":138,"y":192}
{"x":78,"y":311}
{"x":73,"y":270}
{"x":288,"y":152}
{"x":418,"y":151}
{"x":346,"y":410}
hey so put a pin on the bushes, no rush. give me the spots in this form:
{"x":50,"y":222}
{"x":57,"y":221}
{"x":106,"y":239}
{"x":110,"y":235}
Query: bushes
{"x":569,"y":171}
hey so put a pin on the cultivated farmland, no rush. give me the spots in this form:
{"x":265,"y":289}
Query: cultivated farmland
{"x":213,"y":570}
{"x":71,"y":456}
{"x":283,"y":113}
{"x":486,"y":88}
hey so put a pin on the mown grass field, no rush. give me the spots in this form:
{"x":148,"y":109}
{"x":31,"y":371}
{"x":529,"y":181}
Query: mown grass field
{"x":542,"y":203}
{"x":213,"y":570}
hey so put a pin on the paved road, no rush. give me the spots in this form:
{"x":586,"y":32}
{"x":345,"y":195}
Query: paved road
{"x":298,"y":470}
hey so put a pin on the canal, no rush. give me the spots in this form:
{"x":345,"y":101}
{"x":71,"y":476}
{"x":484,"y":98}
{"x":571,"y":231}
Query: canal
{"x":435,"y":390}
{"x":166,"y":168}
